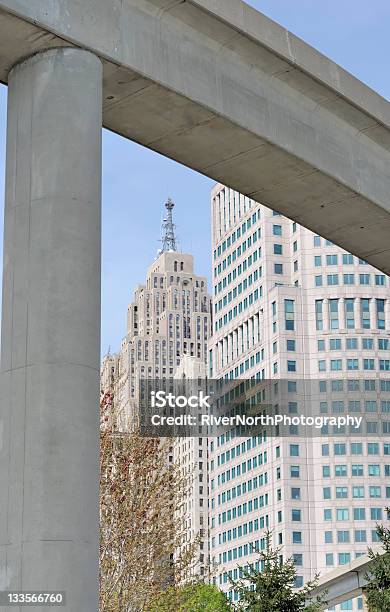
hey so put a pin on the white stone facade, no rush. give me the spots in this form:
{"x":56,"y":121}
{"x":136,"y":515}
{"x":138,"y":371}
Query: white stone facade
{"x":290,"y":305}
{"x":191,"y":453}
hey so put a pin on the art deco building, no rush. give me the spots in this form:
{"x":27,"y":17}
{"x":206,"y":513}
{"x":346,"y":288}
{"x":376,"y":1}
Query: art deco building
{"x":290,"y":306}
{"x":169,"y":317}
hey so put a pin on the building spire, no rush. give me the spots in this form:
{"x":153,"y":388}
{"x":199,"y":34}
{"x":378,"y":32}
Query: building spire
{"x":168,"y":230}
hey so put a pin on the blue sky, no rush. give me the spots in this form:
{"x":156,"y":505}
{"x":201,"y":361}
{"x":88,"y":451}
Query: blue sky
{"x":137,"y":182}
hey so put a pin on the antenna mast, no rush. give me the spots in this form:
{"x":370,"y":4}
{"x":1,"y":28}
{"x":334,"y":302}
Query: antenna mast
{"x":168,"y":230}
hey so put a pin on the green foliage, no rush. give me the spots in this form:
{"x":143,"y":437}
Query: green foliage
{"x":194,"y":597}
{"x":272,"y":588}
{"x":378,"y":587}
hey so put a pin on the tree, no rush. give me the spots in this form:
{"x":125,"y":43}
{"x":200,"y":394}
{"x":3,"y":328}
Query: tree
{"x":377,"y":590}
{"x":195,"y":597}
{"x":271,"y":589}
{"x":139,"y":493}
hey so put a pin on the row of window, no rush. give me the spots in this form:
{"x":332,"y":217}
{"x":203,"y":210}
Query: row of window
{"x":244,"y":529}
{"x":348,"y":279}
{"x":236,"y":451}
{"x":358,"y":492}
{"x":247,"y":445}
{"x":340,"y":449}
{"x":240,"y":489}
{"x":350,"y":316}
{"x":355,"y":448}
{"x":246,"y":225}
{"x":333,"y":259}
{"x":370,"y":384}
{"x":342,"y":471}
{"x":236,"y":254}
{"x":241,"y":306}
{"x":240,"y":288}
{"x":240,"y":469}
{"x":241,"y":551}
{"x":343,"y":558}
{"x":356,"y":514}
{"x":356,"y":469}
{"x":236,"y":272}
{"x":367,"y":344}
{"x":337,"y":406}
{"x":343,"y":536}
{"x":336,"y":365}
{"x":242,"y":509}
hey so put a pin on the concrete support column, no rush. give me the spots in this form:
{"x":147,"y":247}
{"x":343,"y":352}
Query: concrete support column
{"x":49,"y":468}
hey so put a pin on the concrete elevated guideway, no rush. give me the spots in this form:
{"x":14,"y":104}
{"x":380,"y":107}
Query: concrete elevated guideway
{"x":210,"y":83}
{"x":345,"y":582}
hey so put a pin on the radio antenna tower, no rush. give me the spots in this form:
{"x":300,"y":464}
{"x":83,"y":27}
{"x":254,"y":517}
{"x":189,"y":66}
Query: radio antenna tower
{"x":168,"y":230}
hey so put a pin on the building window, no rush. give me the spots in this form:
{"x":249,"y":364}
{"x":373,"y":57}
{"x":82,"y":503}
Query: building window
{"x":328,"y":537}
{"x":380,"y":280}
{"x":339,"y":448}
{"x":344,"y":558}
{"x":298,"y":559}
{"x":329,"y":559}
{"x":319,"y":314}
{"x":380,"y":314}
{"x":336,"y":365}
{"x":333,"y":279}
{"x":291,"y":365}
{"x":349,"y":279}
{"x":334,"y":313}
{"x":364,"y":279}
{"x":342,"y":514}
{"x":278,"y":268}
{"x":296,"y":515}
{"x":289,"y":315}
{"x":349,"y":306}
{"x":365,"y":313}
{"x":343,"y":537}
{"x":335,"y":344}
{"x":297,"y":537}
{"x":352,"y":364}
{"x":359,"y":514}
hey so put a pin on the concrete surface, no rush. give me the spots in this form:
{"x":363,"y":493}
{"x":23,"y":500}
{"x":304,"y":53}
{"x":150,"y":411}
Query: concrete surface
{"x":49,"y":480}
{"x":222,"y":89}
{"x":346,"y":581}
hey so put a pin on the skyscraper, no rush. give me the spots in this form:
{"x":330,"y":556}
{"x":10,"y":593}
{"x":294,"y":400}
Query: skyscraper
{"x":168,"y":317}
{"x":289,"y":305}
